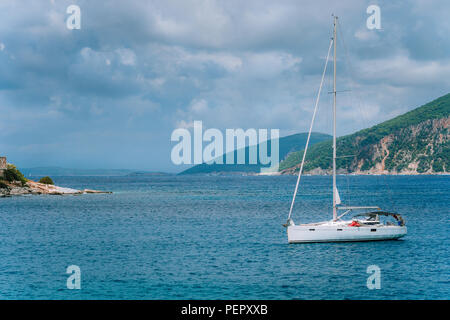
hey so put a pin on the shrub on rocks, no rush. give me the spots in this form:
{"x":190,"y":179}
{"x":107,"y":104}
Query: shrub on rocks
{"x":46,"y":180}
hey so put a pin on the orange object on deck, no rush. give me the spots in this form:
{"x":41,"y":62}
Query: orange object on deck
{"x":354,"y":224}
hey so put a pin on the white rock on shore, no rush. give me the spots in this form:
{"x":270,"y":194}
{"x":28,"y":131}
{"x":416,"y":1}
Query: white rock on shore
{"x":31,"y":187}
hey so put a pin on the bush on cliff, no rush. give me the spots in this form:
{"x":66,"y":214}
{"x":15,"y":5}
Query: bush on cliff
{"x":46,"y":180}
{"x":13,"y":174}
{"x":3,"y":185}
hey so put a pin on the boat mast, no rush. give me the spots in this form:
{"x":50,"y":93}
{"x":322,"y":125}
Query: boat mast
{"x":334,"y":122}
{"x":309,"y":133}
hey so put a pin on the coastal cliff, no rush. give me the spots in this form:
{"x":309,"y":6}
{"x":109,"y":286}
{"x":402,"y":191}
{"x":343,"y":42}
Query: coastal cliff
{"x":417,"y":142}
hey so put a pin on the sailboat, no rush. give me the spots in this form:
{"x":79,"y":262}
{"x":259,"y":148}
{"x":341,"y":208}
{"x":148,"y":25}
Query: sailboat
{"x":372,"y":224}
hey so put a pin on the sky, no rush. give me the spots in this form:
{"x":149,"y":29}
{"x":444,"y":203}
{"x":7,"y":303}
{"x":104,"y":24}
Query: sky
{"x":109,"y":95}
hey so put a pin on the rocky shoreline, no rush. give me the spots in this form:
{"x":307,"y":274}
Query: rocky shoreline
{"x":16,"y":188}
{"x":372,"y":172}
{"x":329,"y":172}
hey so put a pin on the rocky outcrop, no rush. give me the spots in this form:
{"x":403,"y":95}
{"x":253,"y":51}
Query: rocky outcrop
{"x":16,"y":188}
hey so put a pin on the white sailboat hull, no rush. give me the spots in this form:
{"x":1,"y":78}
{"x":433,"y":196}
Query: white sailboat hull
{"x":339,"y":233}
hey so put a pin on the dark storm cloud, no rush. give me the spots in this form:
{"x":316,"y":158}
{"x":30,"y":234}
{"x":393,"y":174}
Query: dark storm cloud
{"x":110,"y":94}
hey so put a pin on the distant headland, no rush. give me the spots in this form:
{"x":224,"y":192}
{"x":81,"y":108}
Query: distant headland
{"x":69,"y":172}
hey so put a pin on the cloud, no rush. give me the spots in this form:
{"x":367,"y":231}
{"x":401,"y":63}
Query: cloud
{"x":127,"y":56}
{"x":199,"y":106}
{"x":136,"y":70}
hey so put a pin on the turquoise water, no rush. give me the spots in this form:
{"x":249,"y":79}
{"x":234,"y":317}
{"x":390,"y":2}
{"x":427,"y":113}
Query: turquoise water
{"x":204,"y":237}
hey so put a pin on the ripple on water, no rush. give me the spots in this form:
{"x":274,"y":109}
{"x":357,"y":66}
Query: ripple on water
{"x":173,"y":237}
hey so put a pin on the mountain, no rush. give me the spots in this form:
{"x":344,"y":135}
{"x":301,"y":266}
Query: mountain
{"x":287,"y":145}
{"x":415,"y":142}
{"x":58,"y":171}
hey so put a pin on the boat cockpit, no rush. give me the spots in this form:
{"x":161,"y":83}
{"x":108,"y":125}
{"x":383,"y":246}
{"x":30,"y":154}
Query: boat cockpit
{"x":372,"y":218}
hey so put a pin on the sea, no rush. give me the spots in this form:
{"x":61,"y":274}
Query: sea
{"x":220,"y":237}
